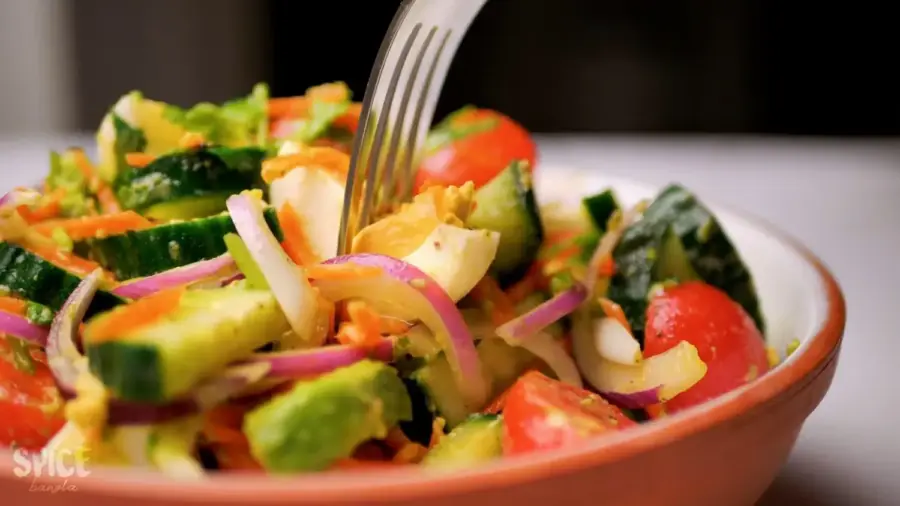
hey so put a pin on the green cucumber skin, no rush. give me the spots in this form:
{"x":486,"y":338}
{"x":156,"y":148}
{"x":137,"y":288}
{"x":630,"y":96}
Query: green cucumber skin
{"x":146,"y":252}
{"x":166,"y":359}
{"x":710,"y":252}
{"x":600,"y":208}
{"x":31,"y":277}
{"x":189,"y":174}
{"x":507,"y":205}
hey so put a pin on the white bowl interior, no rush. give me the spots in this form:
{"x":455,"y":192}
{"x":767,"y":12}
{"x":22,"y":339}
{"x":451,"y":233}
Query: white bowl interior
{"x":790,"y":289}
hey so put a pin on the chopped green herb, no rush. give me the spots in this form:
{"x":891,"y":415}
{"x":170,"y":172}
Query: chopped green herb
{"x":38,"y":314}
{"x":792,"y":347}
{"x":449,"y":130}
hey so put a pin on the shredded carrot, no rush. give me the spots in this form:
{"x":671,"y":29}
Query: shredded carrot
{"x":613,"y":310}
{"x":91,"y":226}
{"x":331,"y":160}
{"x":83,"y":163}
{"x":135,"y":315}
{"x":48,"y":209}
{"x":109,"y":204}
{"x":347,"y":270}
{"x":72,"y":263}
{"x":393,"y":326}
{"x":656,"y":410}
{"x":437,"y":431}
{"x":412,"y":453}
{"x":406,"y":451}
{"x":607,"y":267}
{"x":12,"y":305}
{"x":494,"y":301}
{"x":364,"y":327}
{"x":138,"y":160}
{"x":350,"y":120}
{"x":191,"y":140}
{"x":288,"y":107}
{"x":296,"y":243}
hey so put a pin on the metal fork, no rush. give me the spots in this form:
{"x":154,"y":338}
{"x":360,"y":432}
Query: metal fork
{"x":414,"y":58}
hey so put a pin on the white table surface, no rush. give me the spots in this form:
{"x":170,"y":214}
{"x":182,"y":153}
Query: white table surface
{"x":841,"y":198}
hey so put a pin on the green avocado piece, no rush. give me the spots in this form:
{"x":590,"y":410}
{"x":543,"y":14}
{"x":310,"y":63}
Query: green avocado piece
{"x":325,"y":419}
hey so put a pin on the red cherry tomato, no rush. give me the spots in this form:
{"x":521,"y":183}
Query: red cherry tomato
{"x":474,"y":145}
{"x":540,"y":413}
{"x":725,"y":336}
{"x":30,"y":406}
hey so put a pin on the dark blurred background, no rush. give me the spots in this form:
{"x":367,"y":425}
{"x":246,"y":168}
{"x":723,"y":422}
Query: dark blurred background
{"x":735,"y":66}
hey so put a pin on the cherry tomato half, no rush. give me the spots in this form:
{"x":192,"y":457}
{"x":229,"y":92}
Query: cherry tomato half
{"x":725,"y":336}
{"x":474,"y":145}
{"x":541,"y":413}
{"x":30,"y":405}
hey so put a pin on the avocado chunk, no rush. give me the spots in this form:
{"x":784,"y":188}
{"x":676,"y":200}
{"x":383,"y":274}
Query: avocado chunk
{"x":476,"y":440}
{"x":323,"y":420}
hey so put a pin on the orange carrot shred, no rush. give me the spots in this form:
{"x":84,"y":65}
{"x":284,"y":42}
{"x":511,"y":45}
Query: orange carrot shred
{"x":135,"y":315}
{"x":12,"y":305}
{"x":72,"y":263}
{"x":109,"y":204}
{"x":288,"y":107}
{"x":613,"y":310}
{"x":91,"y":226}
{"x":191,"y":140}
{"x":364,"y":327}
{"x":83,"y":163}
{"x":138,"y":160}
{"x":296,"y":243}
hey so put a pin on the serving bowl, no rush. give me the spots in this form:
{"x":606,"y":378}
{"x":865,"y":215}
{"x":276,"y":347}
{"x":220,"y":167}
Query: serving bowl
{"x":725,"y":452}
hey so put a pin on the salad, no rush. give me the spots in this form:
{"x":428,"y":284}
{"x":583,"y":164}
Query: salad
{"x":177,"y":303}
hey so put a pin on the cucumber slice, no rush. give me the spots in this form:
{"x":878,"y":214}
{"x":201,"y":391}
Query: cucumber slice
{"x":507,"y":205}
{"x":31,"y":277}
{"x":435,"y":380}
{"x":672,"y":262}
{"x":501,"y":365}
{"x":600,"y":207}
{"x":165,"y":359}
{"x":649,"y":242}
{"x":476,"y":440}
{"x":145,"y":252}
{"x":187,"y":209}
{"x":205,"y":172}
{"x":323,"y":420}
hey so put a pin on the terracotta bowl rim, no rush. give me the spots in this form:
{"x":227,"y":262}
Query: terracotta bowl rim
{"x":779,"y":385}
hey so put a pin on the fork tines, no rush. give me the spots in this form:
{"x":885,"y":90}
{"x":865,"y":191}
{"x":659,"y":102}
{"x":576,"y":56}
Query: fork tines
{"x":398,"y":108}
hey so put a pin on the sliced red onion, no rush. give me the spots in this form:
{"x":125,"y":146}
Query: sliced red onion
{"x":20,"y":327}
{"x":668,"y":374}
{"x":286,"y":280}
{"x":636,"y":400}
{"x":63,"y":356}
{"x":551,"y":351}
{"x":20,"y":197}
{"x":613,"y":342}
{"x":222,"y":266}
{"x":305,"y":363}
{"x":403,"y":291}
{"x":544,"y":315}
